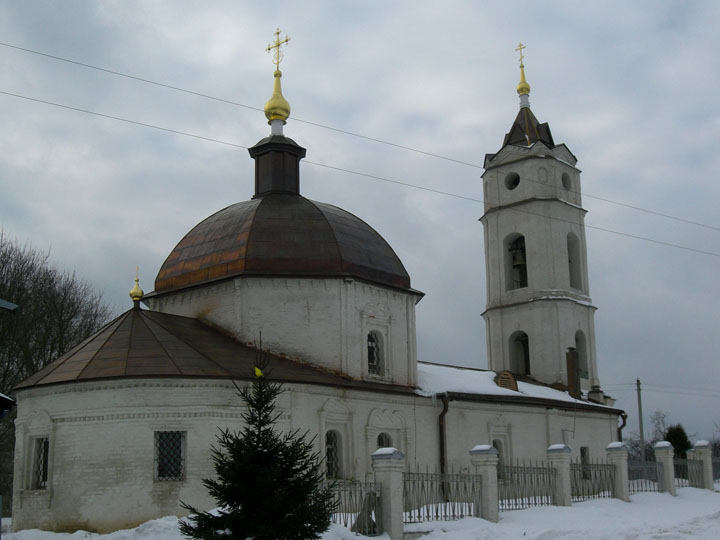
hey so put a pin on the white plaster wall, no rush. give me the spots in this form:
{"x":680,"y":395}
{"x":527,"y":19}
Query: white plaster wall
{"x":551,"y":326}
{"x":102,"y":456}
{"x":321,"y":321}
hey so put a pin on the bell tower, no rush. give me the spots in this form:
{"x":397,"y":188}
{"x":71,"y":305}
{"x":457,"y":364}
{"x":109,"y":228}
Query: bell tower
{"x":539,"y":316}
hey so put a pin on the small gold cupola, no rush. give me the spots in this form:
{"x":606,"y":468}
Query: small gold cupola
{"x":277,"y":107}
{"x":136,"y":293}
{"x":523,"y":87}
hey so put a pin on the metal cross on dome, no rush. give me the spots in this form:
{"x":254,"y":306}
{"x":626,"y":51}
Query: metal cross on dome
{"x":277,"y":55}
{"x":520,"y":48}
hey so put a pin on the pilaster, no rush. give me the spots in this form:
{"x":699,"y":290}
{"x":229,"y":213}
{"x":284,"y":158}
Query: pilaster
{"x":703,"y":452}
{"x":484,"y":458}
{"x":388,"y":465}
{"x":617,"y":455}
{"x":558,"y":455}
{"x":664,"y":453}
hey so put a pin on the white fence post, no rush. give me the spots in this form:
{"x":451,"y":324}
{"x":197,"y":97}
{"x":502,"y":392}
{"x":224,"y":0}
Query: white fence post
{"x":484,"y":458}
{"x":664,"y":454}
{"x":703,"y":451}
{"x":558,"y":455}
{"x":617,"y":455}
{"x":389,"y":465}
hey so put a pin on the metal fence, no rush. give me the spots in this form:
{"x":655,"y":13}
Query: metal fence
{"x":440,"y":497}
{"x":688,"y":473}
{"x":525,"y":485}
{"x":716,"y":468}
{"x":644,"y":476}
{"x":591,"y":481}
{"x":355,"y":506}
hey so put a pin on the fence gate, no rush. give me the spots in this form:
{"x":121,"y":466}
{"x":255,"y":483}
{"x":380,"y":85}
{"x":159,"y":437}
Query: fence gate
{"x":644,"y":476}
{"x":355,"y":504}
{"x":592,"y":481}
{"x":440,"y":497}
{"x":524,"y":486}
{"x":688,"y":473}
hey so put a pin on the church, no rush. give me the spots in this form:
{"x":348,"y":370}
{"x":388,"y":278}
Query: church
{"x":117,"y":431}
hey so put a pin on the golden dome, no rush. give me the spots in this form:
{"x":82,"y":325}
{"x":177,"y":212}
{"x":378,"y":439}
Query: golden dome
{"x":136,"y":293}
{"x":523,"y":88}
{"x":277,"y":107}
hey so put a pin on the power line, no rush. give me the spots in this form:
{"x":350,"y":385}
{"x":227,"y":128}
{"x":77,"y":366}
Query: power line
{"x":366,"y":175}
{"x":338,"y":130}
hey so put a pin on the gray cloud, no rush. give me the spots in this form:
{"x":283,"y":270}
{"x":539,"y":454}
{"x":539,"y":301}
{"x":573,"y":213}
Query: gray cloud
{"x":629,"y":88}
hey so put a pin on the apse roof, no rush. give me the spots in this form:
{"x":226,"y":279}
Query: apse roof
{"x":142,"y":343}
{"x":281,"y":234}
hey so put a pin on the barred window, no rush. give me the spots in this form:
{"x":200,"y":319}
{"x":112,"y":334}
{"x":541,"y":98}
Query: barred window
{"x":40,"y":470}
{"x":375,"y":363}
{"x":169,"y":455}
{"x":332,"y":454}
{"x":384,"y":441}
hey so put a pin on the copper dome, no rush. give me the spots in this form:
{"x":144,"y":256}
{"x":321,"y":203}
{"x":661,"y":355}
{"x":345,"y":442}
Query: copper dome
{"x":281,"y":234}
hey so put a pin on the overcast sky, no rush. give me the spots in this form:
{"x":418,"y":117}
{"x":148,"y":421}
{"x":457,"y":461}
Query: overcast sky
{"x":630,"y":87}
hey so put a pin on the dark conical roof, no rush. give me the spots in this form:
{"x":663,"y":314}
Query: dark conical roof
{"x":148,"y":344}
{"x":526,"y":130}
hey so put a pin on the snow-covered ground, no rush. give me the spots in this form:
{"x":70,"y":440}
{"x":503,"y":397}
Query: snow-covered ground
{"x":693,"y":514}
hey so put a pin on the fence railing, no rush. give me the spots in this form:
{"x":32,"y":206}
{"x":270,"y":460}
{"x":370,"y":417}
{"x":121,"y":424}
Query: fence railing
{"x":688,"y":473}
{"x":591,"y":481}
{"x":355,"y":506}
{"x":524,"y":486}
{"x":716,"y":468}
{"x":644,"y":476}
{"x":437,"y":497}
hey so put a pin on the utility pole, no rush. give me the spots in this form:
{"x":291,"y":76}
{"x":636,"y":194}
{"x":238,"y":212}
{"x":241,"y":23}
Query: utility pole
{"x":640,"y":416}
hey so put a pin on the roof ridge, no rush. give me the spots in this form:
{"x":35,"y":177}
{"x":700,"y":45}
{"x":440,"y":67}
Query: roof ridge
{"x":184,"y":341}
{"x":111,"y":334}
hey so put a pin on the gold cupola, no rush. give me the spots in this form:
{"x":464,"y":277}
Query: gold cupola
{"x":523,"y":88}
{"x":136,"y":293}
{"x":277,"y":107}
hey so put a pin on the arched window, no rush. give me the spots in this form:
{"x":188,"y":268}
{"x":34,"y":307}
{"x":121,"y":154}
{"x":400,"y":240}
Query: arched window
{"x":581,"y":348}
{"x":332,"y":454}
{"x":516,"y":276}
{"x":573,"y":250}
{"x":498,"y":445}
{"x":384,"y":441}
{"x":520,"y":353}
{"x":375,"y":354}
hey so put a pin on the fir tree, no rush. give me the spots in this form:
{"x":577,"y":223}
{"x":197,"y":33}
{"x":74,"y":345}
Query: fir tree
{"x":269,"y":486}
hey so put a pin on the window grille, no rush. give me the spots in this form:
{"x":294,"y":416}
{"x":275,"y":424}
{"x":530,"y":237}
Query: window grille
{"x":374,"y":359}
{"x":42,"y":453}
{"x":384,"y":441}
{"x":332,"y":454}
{"x":169,"y":455}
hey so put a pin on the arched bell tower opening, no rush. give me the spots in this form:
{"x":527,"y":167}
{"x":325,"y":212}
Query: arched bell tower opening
{"x":519,"y":347}
{"x":516,"y":272}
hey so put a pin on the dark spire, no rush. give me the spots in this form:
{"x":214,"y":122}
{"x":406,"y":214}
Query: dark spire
{"x":526,"y":130}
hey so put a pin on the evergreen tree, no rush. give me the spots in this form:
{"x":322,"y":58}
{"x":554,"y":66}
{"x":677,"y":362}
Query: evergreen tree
{"x":269,"y":486}
{"x":676,"y":436}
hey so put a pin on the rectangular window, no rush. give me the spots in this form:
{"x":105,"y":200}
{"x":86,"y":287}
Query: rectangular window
{"x":585,"y":462}
{"x":40,"y":469}
{"x":169,"y":455}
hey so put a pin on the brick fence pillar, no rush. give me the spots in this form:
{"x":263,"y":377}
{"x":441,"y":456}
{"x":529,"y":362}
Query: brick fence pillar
{"x":389,"y":465}
{"x":558,"y":455}
{"x":664,"y":454}
{"x":617,"y":455}
{"x":484,"y":458}
{"x":703,"y":452}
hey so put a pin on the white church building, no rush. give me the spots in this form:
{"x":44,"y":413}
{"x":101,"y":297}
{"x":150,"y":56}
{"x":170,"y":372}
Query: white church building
{"x":118,"y":430}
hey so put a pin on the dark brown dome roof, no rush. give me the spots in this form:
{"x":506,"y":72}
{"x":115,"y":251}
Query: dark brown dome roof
{"x":281,"y":234}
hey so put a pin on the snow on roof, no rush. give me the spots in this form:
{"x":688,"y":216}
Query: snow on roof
{"x":437,"y":379}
